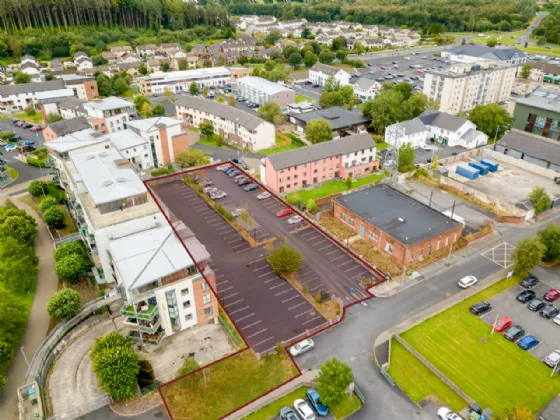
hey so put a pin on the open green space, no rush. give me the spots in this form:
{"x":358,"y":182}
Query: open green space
{"x":37,"y":118}
{"x":491,"y":370}
{"x":212,"y":143}
{"x":347,"y":406}
{"x":274,"y":150}
{"x":220,"y":388}
{"x":302,"y":98}
{"x":273,"y":409}
{"x":503,"y":39}
{"x":418,"y":381}
{"x":129,"y":93}
{"x":540,"y":50}
{"x":333,"y":187}
{"x":14,"y":174}
{"x":3,"y":117}
{"x":382,"y":145}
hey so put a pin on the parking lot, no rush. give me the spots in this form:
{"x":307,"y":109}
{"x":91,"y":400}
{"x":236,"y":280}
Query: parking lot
{"x":533,"y":323}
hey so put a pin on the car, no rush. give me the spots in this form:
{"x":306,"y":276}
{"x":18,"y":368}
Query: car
{"x":10,"y":147}
{"x":15,"y":122}
{"x":27,"y":148}
{"x":26,"y":126}
{"x":514,"y":333}
{"x":308,"y":82}
{"x":467,"y":282}
{"x":244,"y":182}
{"x":37,"y":128}
{"x":2,"y":144}
{"x":15,"y":138}
{"x":20,"y":123}
{"x":209,"y":189}
{"x":316,"y":86}
{"x":251,"y":187}
{"x":315,"y":401}
{"x":502,"y":324}
{"x":239,"y":178}
{"x":234,"y":173}
{"x":526,"y":296}
{"x":553,"y":359}
{"x":223,"y":168}
{"x":284,"y":212}
{"x":216,"y":195}
{"x":428,"y":147}
{"x":445,"y":413}
{"x":530,"y":282}
{"x":549,"y":311}
{"x":236,"y":212}
{"x":263,"y":196}
{"x":26,"y":143}
{"x":286,"y":413}
{"x":302,"y":347}
{"x":294,"y":220}
{"x":236,"y":177}
{"x":303,"y":410}
{"x":480,"y":307}
{"x":230,"y":170}
{"x":207,"y":183}
{"x":552,"y":295}
{"x":536,"y":305}
{"x":528,"y":342}
{"x":382,"y":67}
{"x":557,"y":319}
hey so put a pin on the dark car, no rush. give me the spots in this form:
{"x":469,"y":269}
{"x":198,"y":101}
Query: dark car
{"x":525,"y":296}
{"x":244,"y":182}
{"x":26,"y":126}
{"x":14,"y":122}
{"x":514,"y":333}
{"x":308,"y":82}
{"x":530,"y":282}
{"x":480,"y":308}
{"x":251,"y":187}
{"x":28,"y":148}
{"x":549,"y":311}
{"x":536,"y":305}
{"x":286,"y":413}
{"x":15,"y":138}
{"x":230,"y":170}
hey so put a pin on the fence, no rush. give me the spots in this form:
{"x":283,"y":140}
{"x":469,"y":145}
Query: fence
{"x":232,"y":333}
{"x":152,"y":387}
{"x":80,"y":411}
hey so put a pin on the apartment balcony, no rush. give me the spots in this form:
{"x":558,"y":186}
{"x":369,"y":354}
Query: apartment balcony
{"x":143,"y":311}
{"x":146,"y":338}
{"x":151,"y":327}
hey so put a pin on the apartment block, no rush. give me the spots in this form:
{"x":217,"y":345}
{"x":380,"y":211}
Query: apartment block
{"x":260,"y":91}
{"x":108,"y":115}
{"x":352,"y":156}
{"x":319,"y":73}
{"x":179,"y":81}
{"x":463,"y":86}
{"x":243,"y":128}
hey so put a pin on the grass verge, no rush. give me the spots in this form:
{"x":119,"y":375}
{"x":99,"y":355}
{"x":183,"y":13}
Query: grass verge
{"x":223,"y":387}
{"x":14,"y":174}
{"x":274,"y":150}
{"x":302,"y":98}
{"x":488,"y":368}
{"x":212,"y":143}
{"x":35,"y":119}
{"x":501,"y":39}
{"x":349,"y":405}
{"x":271,"y":410}
{"x":418,"y":381}
{"x":540,"y":50}
{"x":382,"y":145}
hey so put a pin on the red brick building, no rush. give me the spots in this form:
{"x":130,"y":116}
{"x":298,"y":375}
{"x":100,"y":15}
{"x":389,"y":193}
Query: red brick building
{"x":396,"y":223}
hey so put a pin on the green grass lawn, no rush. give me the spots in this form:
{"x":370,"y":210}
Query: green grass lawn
{"x":302,"y":98}
{"x":503,"y":39}
{"x":418,"y":381}
{"x":349,"y":405}
{"x":3,"y":117}
{"x":382,"y":145}
{"x":35,"y":119}
{"x":540,"y":50}
{"x":226,"y":385}
{"x":274,"y":150}
{"x":273,"y":409}
{"x":489,"y":369}
{"x":333,"y":187}
{"x":14,"y":174}
{"x":129,"y":93}
{"x":212,"y":143}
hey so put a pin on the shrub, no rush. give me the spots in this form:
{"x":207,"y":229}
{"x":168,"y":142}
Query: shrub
{"x":223,"y":211}
{"x":47,"y":203}
{"x":318,"y":298}
{"x":63,"y":303}
{"x":37,"y":188}
{"x":70,"y":267}
{"x":38,"y":163}
{"x":189,"y":365}
{"x":70,"y":248}
{"x":159,"y":172}
{"x":378,"y":138}
{"x":285,"y":259}
{"x":54,"y":217}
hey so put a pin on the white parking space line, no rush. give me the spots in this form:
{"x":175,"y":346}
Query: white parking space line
{"x":299,"y":304}
{"x":231,"y":236}
{"x":234,"y":241}
{"x":267,"y":273}
{"x":245,"y":317}
{"x":353,"y":268}
{"x":291,"y":298}
{"x":272,"y":279}
{"x":308,"y":233}
{"x":228,"y":296}
{"x":303,"y":313}
{"x":332,"y":252}
{"x":225,"y":227}
{"x":238,"y":310}
{"x":264,"y":341}
{"x":347,"y":262}
{"x":222,"y":282}
{"x":261,"y":268}
{"x":226,"y":289}
{"x":237,"y":246}
{"x":325,"y":247}
{"x":235,"y":303}
{"x":314,"y":288}
{"x":200,"y":205}
{"x":257,"y":333}
{"x":250,"y":325}
{"x":312,"y":238}
{"x":276,"y":286}
{"x":311,"y":320}
{"x":358,"y":275}
{"x":284,"y":291}
{"x":226,"y":233}
{"x":338,"y":258}
{"x":221,"y":275}
{"x":200,"y":210}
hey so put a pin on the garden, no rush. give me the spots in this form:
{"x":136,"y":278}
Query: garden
{"x":38,"y":158}
{"x":284,"y":142}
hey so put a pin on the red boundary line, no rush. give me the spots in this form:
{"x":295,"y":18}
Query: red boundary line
{"x":332,"y":239}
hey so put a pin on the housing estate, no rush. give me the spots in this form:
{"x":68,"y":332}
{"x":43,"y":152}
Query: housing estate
{"x":179,"y":81}
{"x":260,"y":91}
{"x":319,"y":73}
{"x":366,"y":89}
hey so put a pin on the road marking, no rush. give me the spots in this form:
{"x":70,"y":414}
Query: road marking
{"x":225,"y":233}
{"x":353,"y":268}
{"x":222,"y":282}
{"x":257,"y":333}
{"x":250,"y":325}
{"x":338,"y":258}
{"x":199,"y":210}
{"x":266,"y":274}
{"x":260,"y":268}
{"x":332,"y":252}
{"x":311,"y":320}
{"x":291,"y":298}
{"x":347,"y":262}
{"x":299,"y":304}
{"x":221,"y":275}
{"x":308,"y":233}
{"x":272,"y":279}
{"x":303,"y":313}
{"x":225,"y":290}
{"x":313,"y":237}
{"x":235,"y":240}
{"x":231,"y":236}
{"x":314,"y":288}
{"x":238,"y":310}
{"x":325,"y":247}
{"x":225,"y":227}
{"x":245,"y":317}
{"x":201,"y":205}
{"x":232,"y":295}
{"x":284,"y":291}
{"x":358,"y":275}
{"x":235,"y":303}
{"x":264,"y":341}
{"x":274,"y":287}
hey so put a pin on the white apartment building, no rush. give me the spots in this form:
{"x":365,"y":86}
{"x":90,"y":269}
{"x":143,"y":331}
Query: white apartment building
{"x":319,"y":73}
{"x":71,"y":107}
{"x":463,"y":86}
{"x":243,"y":128}
{"x":179,"y":81}
{"x":413,"y":132}
{"x":260,"y":91}
{"x":108,"y":115}
{"x":15,"y":98}
{"x":366,"y":89}
{"x":478,"y":53}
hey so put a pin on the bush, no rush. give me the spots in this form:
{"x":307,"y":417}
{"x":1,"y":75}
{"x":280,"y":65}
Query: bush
{"x":37,"y":188}
{"x":63,"y":304}
{"x":47,"y":203}
{"x":38,"y":163}
{"x":70,"y":248}
{"x":318,"y":298}
{"x":285,"y":259}
{"x":378,"y":138}
{"x":159,"y":172}
{"x":54,"y":217}
{"x":70,"y":267}
{"x":222,"y":211}
{"x":189,"y":365}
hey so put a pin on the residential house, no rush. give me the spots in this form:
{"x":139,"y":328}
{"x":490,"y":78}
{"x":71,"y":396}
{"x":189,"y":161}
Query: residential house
{"x":319,"y":73}
{"x":128,"y":58}
{"x":71,"y":107}
{"x":168,"y":49}
{"x":108,"y":115}
{"x":146,"y":50}
{"x":366,"y":89}
{"x":65,"y":127}
{"x":543,"y":71}
{"x":120,"y":51}
{"x":82,"y":61}
{"x":343,"y":122}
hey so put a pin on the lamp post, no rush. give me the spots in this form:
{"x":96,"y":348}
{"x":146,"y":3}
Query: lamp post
{"x":25,"y":358}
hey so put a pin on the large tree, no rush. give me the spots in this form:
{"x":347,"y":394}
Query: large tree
{"x":541,"y":200}
{"x":207,"y":129}
{"x":295,"y":60}
{"x":329,"y":99}
{"x":70,"y":248}
{"x":333,"y":381}
{"x":18,"y":265}
{"x":190,"y":158}
{"x":528,"y":253}
{"x":309,"y":59}
{"x":318,"y":131}
{"x":285,"y":260}
{"x":492,"y":119}
{"x":63,"y":304}
{"x":20,"y":228}
{"x":104,"y":85}
{"x":550,"y":238}
{"x":70,"y":267}
{"x":13,"y":317}
{"x":271,"y":112}
{"x":54,"y":217}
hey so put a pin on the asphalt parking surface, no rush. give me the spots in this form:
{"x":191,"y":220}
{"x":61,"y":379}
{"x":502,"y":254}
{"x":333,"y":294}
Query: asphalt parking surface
{"x":327,"y":268}
{"x":544,"y":329}
{"x":265,"y":308}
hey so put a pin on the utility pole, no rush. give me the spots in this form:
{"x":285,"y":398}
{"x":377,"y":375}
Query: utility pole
{"x":496,"y":135}
{"x":494,"y":324}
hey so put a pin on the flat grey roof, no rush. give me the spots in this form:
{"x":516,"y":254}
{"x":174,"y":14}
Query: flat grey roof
{"x":31,"y":87}
{"x":548,"y":100}
{"x":111,"y":102}
{"x":263,"y":85}
{"x":64,"y":127}
{"x":337,"y":116}
{"x":397,"y":214}
{"x":532,"y":145}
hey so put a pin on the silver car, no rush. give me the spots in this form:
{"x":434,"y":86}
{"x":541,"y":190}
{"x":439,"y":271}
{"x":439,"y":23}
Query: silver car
{"x":294,"y":220}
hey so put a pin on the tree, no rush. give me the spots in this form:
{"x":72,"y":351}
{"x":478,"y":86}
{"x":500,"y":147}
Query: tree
{"x":104,"y":85}
{"x":272,"y":37}
{"x":143,"y":70}
{"x":285,"y":260}
{"x":491,"y":119}
{"x":146,"y":110}
{"x":37,"y":188}
{"x":288,"y":50}
{"x":120,"y":86}
{"x":182,"y":64}
{"x":13,"y":317}
{"x":70,"y":267}
{"x":318,"y":131}
{"x":63,"y":304}
{"x":331,"y":85}
{"x":309,"y":59}
{"x":436,"y":162}
{"x":193,"y":89}
{"x":158,"y":111}
{"x":231,"y":100}
{"x":348,"y":182}
{"x":20,"y":228}
{"x":3,"y":381}
{"x":53,"y":117}
{"x":139,"y":101}
{"x":205,"y":90}
{"x":328,"y":99}
{"x":525,"y":71}
{"x":190,"y":158}
{"x":6,"y":135}
{"x":405,"y":89}
{"x":189,"y":365}
{"x":30,"y":110}
{"x":541,"y":40}
{"x":541,"y":200}
{"x":550,"y":238}
{"x":384,"y":110}
{"x":70,"y":248}
{"x":164,"y":66}
{"x":269,"y":65}
{"x":271,"y":112}
{"x":406,"y":158}
{"x":18,"y":265}
{"x":276,"y":55}
{"x":116,"y":366}
{"x":528,"y":253}
{"x":491,"y":42}
{"x":306,"y":33}
{"x":347,"y":93}
{"x":54,"y":217}
{"x":220,"y":100}
{"x":333,"y":381}
{"x":47,"y":202}
{"x":311,"y":205}
{"x":326,"y":57}
{"x":5,"y":353}
{"x":295,"y":60}
{"x":207,"y":129}
{"x":516,"y":413}
{"x":21,"y":78}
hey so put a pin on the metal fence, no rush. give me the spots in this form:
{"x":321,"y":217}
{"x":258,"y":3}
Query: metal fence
{"x":232,"y":333}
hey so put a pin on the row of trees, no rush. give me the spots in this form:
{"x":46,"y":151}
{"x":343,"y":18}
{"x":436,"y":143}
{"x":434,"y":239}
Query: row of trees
{"x":549,"y":28}
{"x":530,"y":252}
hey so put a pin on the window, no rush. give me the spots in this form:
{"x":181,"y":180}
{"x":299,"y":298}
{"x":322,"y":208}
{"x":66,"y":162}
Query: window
{"x":295,"y":176}
{"x":188,"y":317}
{"x":438,"y":242}
{"x":351,"y":221}
{"x":206,"y":299}
{"x":411,"y":255}
{"x":454,"y":238}
{"x":205,"y":287}
{"x":343,"y":217}
{"x":280,"y":180}
{"x":186,"y":304}
{"x":208,"y":311}
{"x":447,"y":241}
{"x":185,"y":292}
{"x":389,"y":248}
{"x":372,"y":236}
{"x":288,"y":178}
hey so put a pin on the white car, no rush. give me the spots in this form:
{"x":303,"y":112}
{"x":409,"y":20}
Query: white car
{"x":445,"y":413}
{"x":428,"y":147}
{"x":216,"y":195}
{"x":303,"y":409}
{"x":557,"y":319}
{"x":263,"y":196}
{"x":467,"y":282}
{"x":302,"y":347}
{"x":209,"y":190}
{"x":222,"y":168}
{"x":553,"y":359}
{"x":236,"y":212}
{"x":294,"y":220}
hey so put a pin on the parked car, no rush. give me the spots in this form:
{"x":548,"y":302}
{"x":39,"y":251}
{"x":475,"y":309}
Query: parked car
{"x":15,"y":122}
{"x":308,"y":82}
{"x":294,"y":220}
{"x":428,"y":147}
{"x":244,"y":182}
{"x":26,"y":143}
{"x":284,"y":212}
{"x":552,"y":295}
{"x":503,"y":324}
{"x":223,"y":168}
{"x":514,"y":333}
{"x":303,"y":410}
{"x":530,"y":282}
{"x":26,"y":148}
{"x":238,"y":177}
{"x":236,"y":212}
{"x":467,"y":282}
{"x":549,"y":311}
{"x":315,"y":401}
{"x":526,"y":296}
{"x":37,"y":128}
{"x":553,"y":359}
{"x":536,"y":305}
{"x":2,"y":144}
{"x":234,"y":173}
{"x":216,"y":195}
{"x":528,"y":342}
{"x":251,"y":187}
{"x":480,"y":308}
{"x":26,"y":126}
{"x":263,"y":196}
{"x":207,"y":183}
{"x":15,"y":138}
{"x":230,"y":170}
{"x":209,"y":189}
{"x":10,"y":147}
{"x":20,"y":123}
{"x":286,"y":413}
{"x":302,"y":347}
{"x":445,"y":413}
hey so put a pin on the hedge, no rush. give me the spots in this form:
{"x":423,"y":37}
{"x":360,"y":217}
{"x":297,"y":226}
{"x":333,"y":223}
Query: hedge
{"x":39,"y":163}
{"x":160,"y":171}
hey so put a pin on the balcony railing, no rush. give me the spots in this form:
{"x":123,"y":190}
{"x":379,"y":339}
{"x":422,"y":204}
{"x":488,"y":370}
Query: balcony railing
{"x":147,"y":338}
{"x":144,"y":326}
{"x":147,"y":315}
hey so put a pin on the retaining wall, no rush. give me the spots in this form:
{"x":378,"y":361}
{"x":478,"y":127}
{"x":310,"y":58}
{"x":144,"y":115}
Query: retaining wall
{"x":522,"y":164}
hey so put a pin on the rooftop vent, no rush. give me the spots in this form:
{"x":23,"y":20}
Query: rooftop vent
{"x":401,"y":219}
{"x":121,"y":180}
{"x":107,"y":183}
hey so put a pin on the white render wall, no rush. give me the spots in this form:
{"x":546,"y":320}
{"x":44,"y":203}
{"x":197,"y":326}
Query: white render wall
{"x":178,"y":286}
{"x":319,"y":78}
{"x":359,"y":158}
